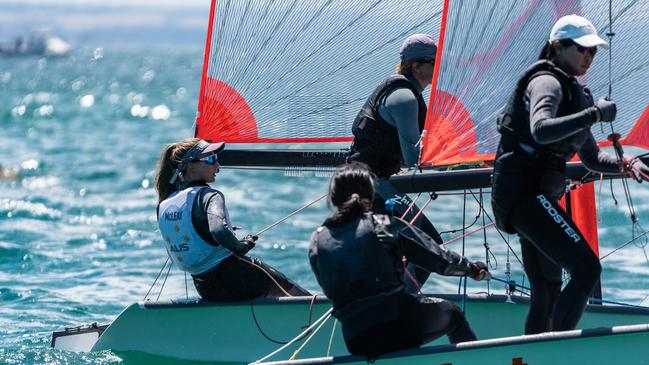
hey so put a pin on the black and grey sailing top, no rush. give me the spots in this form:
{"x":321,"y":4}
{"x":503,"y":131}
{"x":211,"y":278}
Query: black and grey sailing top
{"x":362,"y":258}
{"x":545,"y":123}
{"x":544,"y":94}
{"x":212,"y":220}
{"x":400,"y":109}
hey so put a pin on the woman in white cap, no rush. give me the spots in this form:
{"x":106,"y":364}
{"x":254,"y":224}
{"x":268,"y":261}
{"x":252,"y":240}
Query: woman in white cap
{"x":545,"y":123}
{"x":387,"y":130}
{"x":198,"y":234}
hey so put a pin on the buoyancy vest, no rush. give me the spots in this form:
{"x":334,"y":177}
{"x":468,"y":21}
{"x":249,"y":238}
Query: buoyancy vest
{"x":524,"y":166}
{"x":514,"y":122}
{"x":376,"y":142}
{"x":187,"y":249}
{"x":357,"y":260}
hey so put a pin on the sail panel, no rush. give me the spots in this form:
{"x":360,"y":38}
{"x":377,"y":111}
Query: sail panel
{"x":295,"y":71}
{"x":488,"y":44}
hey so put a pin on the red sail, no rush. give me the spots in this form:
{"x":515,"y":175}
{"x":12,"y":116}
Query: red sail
{"x":486,"y":45}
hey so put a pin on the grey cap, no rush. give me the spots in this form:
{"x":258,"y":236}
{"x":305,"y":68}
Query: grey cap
{"x":418,"y":47}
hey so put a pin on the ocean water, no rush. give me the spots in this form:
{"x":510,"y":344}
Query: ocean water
{"x":78,"y":239}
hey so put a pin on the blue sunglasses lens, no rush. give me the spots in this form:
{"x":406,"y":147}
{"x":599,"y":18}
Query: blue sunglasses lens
{"x":210,"y":160}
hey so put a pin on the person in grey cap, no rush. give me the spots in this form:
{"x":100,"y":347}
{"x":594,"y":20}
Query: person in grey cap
{"x":545,"y":124}
{"x":198,"y":234}
{"x":387,"y":132}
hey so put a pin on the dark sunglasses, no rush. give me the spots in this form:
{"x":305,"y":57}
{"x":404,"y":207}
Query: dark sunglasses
{"x":210,"y":160}
{"x":581,"y":49}
{"x":584,"y":50}
{"x":432,"y":62}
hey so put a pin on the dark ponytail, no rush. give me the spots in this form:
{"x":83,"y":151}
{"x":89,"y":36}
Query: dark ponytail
{"x":171,"y":156}
{"x":547,"y":52}
{"x":351,"y":191}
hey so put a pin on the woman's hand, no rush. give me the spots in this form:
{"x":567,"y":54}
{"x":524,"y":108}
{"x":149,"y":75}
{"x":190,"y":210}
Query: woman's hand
{"x":606,"y":110}
{"x":479,"y":271}
{"x":249,"y":242}
{"x":638,"y":170}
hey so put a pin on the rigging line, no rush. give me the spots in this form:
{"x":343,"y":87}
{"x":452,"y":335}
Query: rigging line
{"x":610,"y":35}
{"x":163,"y":283}
{"x":463,"y":232}
{"x":463,"y":253}
{"x":599,"y":199}
{"x":308,"y":339}
{"x":461,"y":237}
{"x":475,"y":220}
{"x":492,"y":222}
{"x":410,"y":206}
{"x":421,"y":211}
{"x":254,"y":317}
{"x":415,"y":283}
{"x":262,"y":269}
{"x":156,"y":278}
{"x":614,"y":137}
{"x":331,"y":338}
{"x":643,"y":234}
{"x":519,"y":286}
{"x":486,"y":244}
{"x":290,"y":215}
{"x":324,"y":317}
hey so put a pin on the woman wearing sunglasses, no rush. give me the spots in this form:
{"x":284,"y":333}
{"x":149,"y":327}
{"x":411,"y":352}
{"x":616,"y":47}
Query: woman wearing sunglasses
{"x":545,"y":123}
{"x":197,"y":232}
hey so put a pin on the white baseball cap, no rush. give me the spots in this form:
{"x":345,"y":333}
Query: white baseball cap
{"x":579,"y":29}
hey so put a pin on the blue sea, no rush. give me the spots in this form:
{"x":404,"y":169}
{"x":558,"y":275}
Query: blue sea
{"x":79,"y":142}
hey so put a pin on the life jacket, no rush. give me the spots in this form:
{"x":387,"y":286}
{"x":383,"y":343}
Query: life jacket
{"x":357,"y":260}
{"x":187,"y":249}
{"x":524,"y":166}
{"x":514,"y":125}
{"x":376,"y":142}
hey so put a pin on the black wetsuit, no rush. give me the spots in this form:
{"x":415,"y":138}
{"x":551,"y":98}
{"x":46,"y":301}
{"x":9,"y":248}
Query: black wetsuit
{"x":238,"y":277}
{"x":546,"y":122}
{"x":358,"y":265}
{"x":378,"y":144}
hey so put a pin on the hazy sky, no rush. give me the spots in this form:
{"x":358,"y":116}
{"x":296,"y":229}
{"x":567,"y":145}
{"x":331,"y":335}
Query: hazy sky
{"x":102,"y":22}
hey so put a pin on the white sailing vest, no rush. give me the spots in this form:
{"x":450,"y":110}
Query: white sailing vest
{"x":187,"y":249}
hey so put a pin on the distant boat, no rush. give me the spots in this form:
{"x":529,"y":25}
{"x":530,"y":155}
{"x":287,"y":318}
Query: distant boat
{"x":37,"y":42}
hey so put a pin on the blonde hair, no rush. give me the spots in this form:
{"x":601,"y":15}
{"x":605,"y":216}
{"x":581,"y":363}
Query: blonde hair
{"x":172,"y":155}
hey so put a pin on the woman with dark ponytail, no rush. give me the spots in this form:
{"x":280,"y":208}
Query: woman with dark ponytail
{"x":356,"y":258}
{"x":198,"y":234}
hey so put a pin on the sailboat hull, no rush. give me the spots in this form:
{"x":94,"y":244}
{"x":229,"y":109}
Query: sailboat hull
{"x":617,"y":345}
{"x":245,"y":332}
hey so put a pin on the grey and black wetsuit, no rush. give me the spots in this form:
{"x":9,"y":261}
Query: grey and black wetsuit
{"x":546,"y":122}
{"x":386,"y":137}
{"x":358,"y":265}
{"x":232,"y":276}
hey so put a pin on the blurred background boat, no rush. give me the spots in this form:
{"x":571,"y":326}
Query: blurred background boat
{"x":37,"y":42}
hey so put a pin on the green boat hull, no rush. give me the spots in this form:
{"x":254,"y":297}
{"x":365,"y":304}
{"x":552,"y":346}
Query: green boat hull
{"x":245,"y":332}
{"x":617,"y":345}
